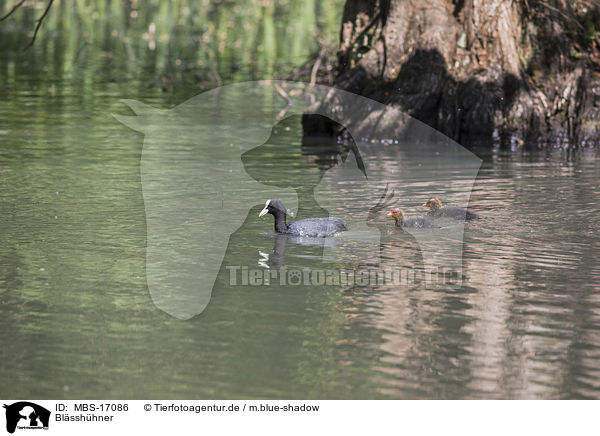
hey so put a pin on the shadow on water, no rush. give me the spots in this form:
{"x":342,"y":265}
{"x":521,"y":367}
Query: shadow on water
{"x":280,"y":162}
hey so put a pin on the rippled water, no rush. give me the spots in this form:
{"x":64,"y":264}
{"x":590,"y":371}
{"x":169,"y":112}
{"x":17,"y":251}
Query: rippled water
{"x":77,"y":320}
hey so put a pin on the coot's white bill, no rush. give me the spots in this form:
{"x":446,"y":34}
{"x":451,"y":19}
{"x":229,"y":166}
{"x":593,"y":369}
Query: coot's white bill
{"x":265,"y":210}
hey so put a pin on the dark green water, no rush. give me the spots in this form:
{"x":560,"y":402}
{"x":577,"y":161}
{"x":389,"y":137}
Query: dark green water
{"x":77,"y":320}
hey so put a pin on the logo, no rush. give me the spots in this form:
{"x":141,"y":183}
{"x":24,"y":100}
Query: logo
{"x":26,"y":415}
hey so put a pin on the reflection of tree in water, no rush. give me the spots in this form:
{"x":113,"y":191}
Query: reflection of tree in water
{"x":284,"y":163}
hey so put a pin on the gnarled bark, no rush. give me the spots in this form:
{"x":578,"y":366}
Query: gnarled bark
{"x":493,"y":72}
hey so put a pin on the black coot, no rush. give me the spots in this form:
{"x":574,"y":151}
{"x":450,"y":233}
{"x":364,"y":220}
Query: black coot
{"x":315,"y":227}
{"x":458,"y":213}
{"x":415,"y":222}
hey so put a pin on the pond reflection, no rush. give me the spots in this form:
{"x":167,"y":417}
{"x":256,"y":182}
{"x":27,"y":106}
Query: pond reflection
{"x":75,"y":311}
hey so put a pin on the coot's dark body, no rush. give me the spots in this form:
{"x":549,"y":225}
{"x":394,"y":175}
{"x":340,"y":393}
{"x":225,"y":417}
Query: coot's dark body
{"x":313,"y":227}
{"x":319,"y":227}
{"x":415,"y":222}
{"x":419,"y":222}
{"x":458,"y":213}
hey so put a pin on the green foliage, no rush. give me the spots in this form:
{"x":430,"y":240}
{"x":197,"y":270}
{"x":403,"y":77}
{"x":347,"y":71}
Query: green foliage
{"x":235,"y":40}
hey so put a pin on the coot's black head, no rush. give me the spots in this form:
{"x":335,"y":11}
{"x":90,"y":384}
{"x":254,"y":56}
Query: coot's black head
{"x":274,"y":207}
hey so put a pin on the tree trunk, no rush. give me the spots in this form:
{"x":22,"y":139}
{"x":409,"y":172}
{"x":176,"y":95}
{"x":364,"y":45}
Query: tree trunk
{"x":484,"y":72}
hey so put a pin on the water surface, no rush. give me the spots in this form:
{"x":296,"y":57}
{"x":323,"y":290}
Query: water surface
{"x":78,"y":321}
